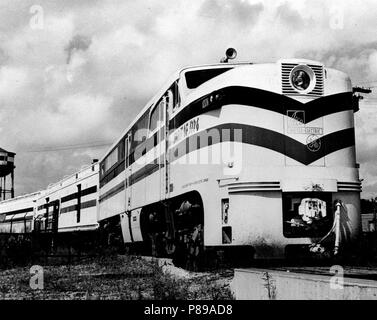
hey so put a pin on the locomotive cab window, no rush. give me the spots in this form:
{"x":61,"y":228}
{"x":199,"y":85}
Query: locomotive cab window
{"x":197,"y":77}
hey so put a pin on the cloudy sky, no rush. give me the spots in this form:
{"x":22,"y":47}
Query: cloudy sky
{"x":73,"y":74}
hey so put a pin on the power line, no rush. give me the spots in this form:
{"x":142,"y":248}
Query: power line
{"x":67,"y":147}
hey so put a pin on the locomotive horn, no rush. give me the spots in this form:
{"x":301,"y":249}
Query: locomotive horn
{"x":230,"y":53}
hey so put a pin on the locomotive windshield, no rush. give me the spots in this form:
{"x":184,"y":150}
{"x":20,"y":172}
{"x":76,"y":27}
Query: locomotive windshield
{"x":196,"y":78}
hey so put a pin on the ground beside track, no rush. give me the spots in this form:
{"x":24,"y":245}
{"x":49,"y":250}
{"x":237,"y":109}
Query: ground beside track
{"x":116,"y":277}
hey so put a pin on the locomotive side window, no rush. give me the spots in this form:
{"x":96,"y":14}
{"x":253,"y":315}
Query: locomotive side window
{"x":111,"y":160}
{"x":121,"y":151}
{"x":140,"y":131}
{"x":156,"y":116}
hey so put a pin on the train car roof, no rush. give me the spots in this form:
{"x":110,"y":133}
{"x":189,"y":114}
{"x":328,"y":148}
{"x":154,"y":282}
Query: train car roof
{"x":22,"y":197}
{"x":86,"y":170}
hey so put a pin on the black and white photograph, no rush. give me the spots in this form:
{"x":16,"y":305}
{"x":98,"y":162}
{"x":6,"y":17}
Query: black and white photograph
{"x":205,"y":151}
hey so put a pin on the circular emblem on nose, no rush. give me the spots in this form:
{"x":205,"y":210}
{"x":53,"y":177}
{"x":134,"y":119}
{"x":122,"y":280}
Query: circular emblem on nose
{"x":313,"y":142}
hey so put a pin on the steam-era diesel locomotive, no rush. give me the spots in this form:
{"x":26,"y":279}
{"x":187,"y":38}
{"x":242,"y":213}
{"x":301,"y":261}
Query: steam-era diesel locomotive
{"x":227,"y":156}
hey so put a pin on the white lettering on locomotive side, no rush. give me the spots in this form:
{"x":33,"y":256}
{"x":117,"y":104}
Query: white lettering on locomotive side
{"x":185,"y":130}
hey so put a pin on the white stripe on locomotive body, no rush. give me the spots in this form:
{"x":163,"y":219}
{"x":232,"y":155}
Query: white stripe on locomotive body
{"x":23,"y":223}
{"x":255,"y":213}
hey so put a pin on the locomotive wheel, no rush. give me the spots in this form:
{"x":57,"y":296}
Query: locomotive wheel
{"x":169,"y":246}
{"x":195,"y":249}
{"x":189,"y":251}
{"x":185,"y":242}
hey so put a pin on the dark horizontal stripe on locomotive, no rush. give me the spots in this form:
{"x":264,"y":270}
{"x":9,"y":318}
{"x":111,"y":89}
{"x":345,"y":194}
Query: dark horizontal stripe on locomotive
{"x":147,"y":145}
{"x":140,"y":150}
{"x":112,"y":192}
{"x":84,"y":205}
{"x":263,"y":99}
{"x":26,"y":210}
{"x":145,"y":171}
{"x":142,"y":173}
{"x":73,"y":196}
{"x":111,"y":174}
{"x":264,"y":138}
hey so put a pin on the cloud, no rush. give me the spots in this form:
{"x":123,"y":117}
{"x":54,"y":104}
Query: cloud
{"x":289,"y":16}
{"x":12,"y":80}
{"x":230,"y":12}
{"x":78,"y":42}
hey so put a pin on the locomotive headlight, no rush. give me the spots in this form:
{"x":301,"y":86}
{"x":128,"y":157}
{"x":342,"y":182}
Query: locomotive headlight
{"x":302,"y":78}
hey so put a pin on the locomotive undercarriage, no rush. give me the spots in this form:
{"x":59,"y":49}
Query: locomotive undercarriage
{"x":175,"y":229}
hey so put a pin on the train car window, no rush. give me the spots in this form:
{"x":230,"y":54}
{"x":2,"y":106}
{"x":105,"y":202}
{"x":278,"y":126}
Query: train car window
{"x":196,"y":78}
